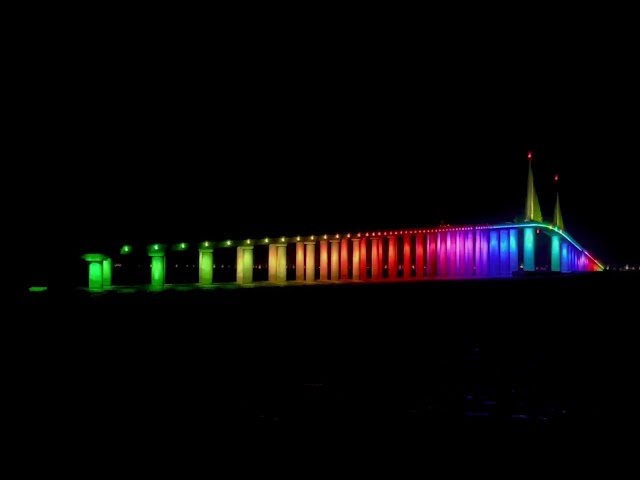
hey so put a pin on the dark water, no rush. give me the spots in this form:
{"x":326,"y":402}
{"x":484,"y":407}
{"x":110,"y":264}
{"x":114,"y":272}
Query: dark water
{"x":521,"y":354}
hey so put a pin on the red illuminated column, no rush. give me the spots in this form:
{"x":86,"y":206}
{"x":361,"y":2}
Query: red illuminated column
{"x":406,"y":256}
{"x":310,"y":261}
{"x":344,"y":259}
{"x":393,"y":256}
{"x":335,"y":259}
{"x":356,"y":259}
{"x":442,"y":254}
{"x":432,"y":254}
{"x":324,"y":259}
{"x":376,"y":259}
{"x":420,"y":255}
{"x":300,"y":261}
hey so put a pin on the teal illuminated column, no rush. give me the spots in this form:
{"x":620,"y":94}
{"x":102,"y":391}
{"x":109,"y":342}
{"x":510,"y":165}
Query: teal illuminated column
{"x":310,"y":262}
{"x":244,"y":264}
{"x":205,"y":264}
{"x":513,"y":249}
{"x":300,"y":261}
{"x":529,"y":249}
{"x":158,"y":263}
{"x":356,"y":259}
{"x":107,"y":271}
{"x":335,"y":260}
{"x":96,"y":264}
{"x":555,"y":253}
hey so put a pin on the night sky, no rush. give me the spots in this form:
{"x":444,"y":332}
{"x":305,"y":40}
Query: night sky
{"x":128,"y":140}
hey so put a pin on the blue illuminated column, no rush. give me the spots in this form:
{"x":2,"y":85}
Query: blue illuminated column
{"x":505,"y":263}
{"x":310,"y":262}
{"x":468,"y":254}
{"x":482,"y":253}
{"x":564,"y":257}
{"x":494,"y":253}
{"x":356,"y":259}
{"x":529,"y":249}
{"x":555,"y":253}
{"x":513,"y":250}
{"x":205,"y":264}
{"x":244,"y":264}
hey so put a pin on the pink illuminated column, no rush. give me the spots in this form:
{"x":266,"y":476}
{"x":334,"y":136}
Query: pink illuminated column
{"x":452,"y":254}
{"x":406,"y":260}
{"x":300,"y":261}
{"x":432,"y":255}
{"x":419,"y":255}
{"x":356,"y":259}
{"x":442,"y":254}
{"x":310,"y":262}
{"x":344,"y":259}
{"x":376,"y":258}
{"x":468,"y":254}
{"x":363,"y":259}
{"x":393,"y":256}
{"x":460,"y":238}
{"x":324,"y":259}
{"x":335,"y":259}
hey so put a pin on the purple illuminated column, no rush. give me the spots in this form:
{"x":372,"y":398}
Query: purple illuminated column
{"x":460,"y":253}
{"x":442,"y":254}
{"x":356,"y":259}
{"x":393,"y":256}
{"x":300,"y":261}
{"x":324,"y":259}
{"x":344,"y":259}
{"x":452,"y":256}
{"x":376,"y":260}
{"x":420,"y":255}
{"x":468,"y":254}
{"x":505,"y":260}
{"x":310,"y":262}
{"x":335,"y":259}
{"x":406,"y":253}
{"x":482,"y":252}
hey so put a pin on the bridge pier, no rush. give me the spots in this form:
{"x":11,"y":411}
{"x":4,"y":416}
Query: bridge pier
{"x":335,"y":259}
{"x":355,"y":258}
{"x":98,"y":264}
{"x":310,"y":262}
{"x":244,"y":264}
{"x":205,"y":264}
{"x":529,"y":249}
{"x":158,"y":264}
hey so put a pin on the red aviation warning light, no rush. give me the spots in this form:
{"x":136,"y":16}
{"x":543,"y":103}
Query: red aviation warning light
{"x":555,"y":177}
{"x":529,"y":155}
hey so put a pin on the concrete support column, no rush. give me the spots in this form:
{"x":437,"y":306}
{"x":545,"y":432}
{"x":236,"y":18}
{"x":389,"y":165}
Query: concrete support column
{"x":356,"y":259}
{"x":107,"y":272}
{"x":432,"y":254}
{"x":393,"y":257}
{"x":505,"y":259}
{"x":324,"y":259}
{"x":442,"y":254}
{"x":529,"y":247}
{"x":513,"y":250}
{"x":158,"y":264}
{"x":205,"y":264}
{"x":310,"y":262}
{"x":244,"y":264}
{"x":344,"y":259}
{"x":96,"y":270}
{"x":420,"y":255}
{"x":335,"y":259}
{"x":555,"y":253}
{"x":376,"y":258}
{"x":281,"y":263}
{"x":363,"y":259}
{"x":299,"y":261}
{"x":406,"y":252}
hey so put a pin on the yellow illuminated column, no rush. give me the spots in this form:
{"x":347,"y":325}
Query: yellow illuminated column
{"x":344,"y":259}
{"x":244,"y":264}
{"x":310,"y":262}
{"x":356,"y":259}
{"x":420,"y":255}
{"x":299,"y":261}
{"x":406,"y":260}
{"x":393,"y":256}
{"x":335,"y":260}
{"x":205,"y":266}
{"x":281,"y":263}
{"x":324,"y":260}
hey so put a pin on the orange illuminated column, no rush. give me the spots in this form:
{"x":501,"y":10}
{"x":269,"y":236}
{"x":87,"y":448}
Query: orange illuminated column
{"x":363,"y":259}
{"x":244,"y":264}
{"x":376,"y":258}
{"x":335,"y":259}
{"x":393,"y":256}
{"x":406,"y":256}
{"x":300,"y":261}
{"x":324,"y":259}
{"x":277,"y":262}
{"x":420,"y":255}
{"x":344,"y":259}
{"x":432,"y":254}
{"x":310,"y":262}
{"x":356,"y":260}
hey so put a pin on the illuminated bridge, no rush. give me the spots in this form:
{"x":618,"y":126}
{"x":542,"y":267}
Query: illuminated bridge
{"x":443,"y":252}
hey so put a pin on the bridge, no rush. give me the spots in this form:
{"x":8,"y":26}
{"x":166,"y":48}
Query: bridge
{"x":441,"y":252}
